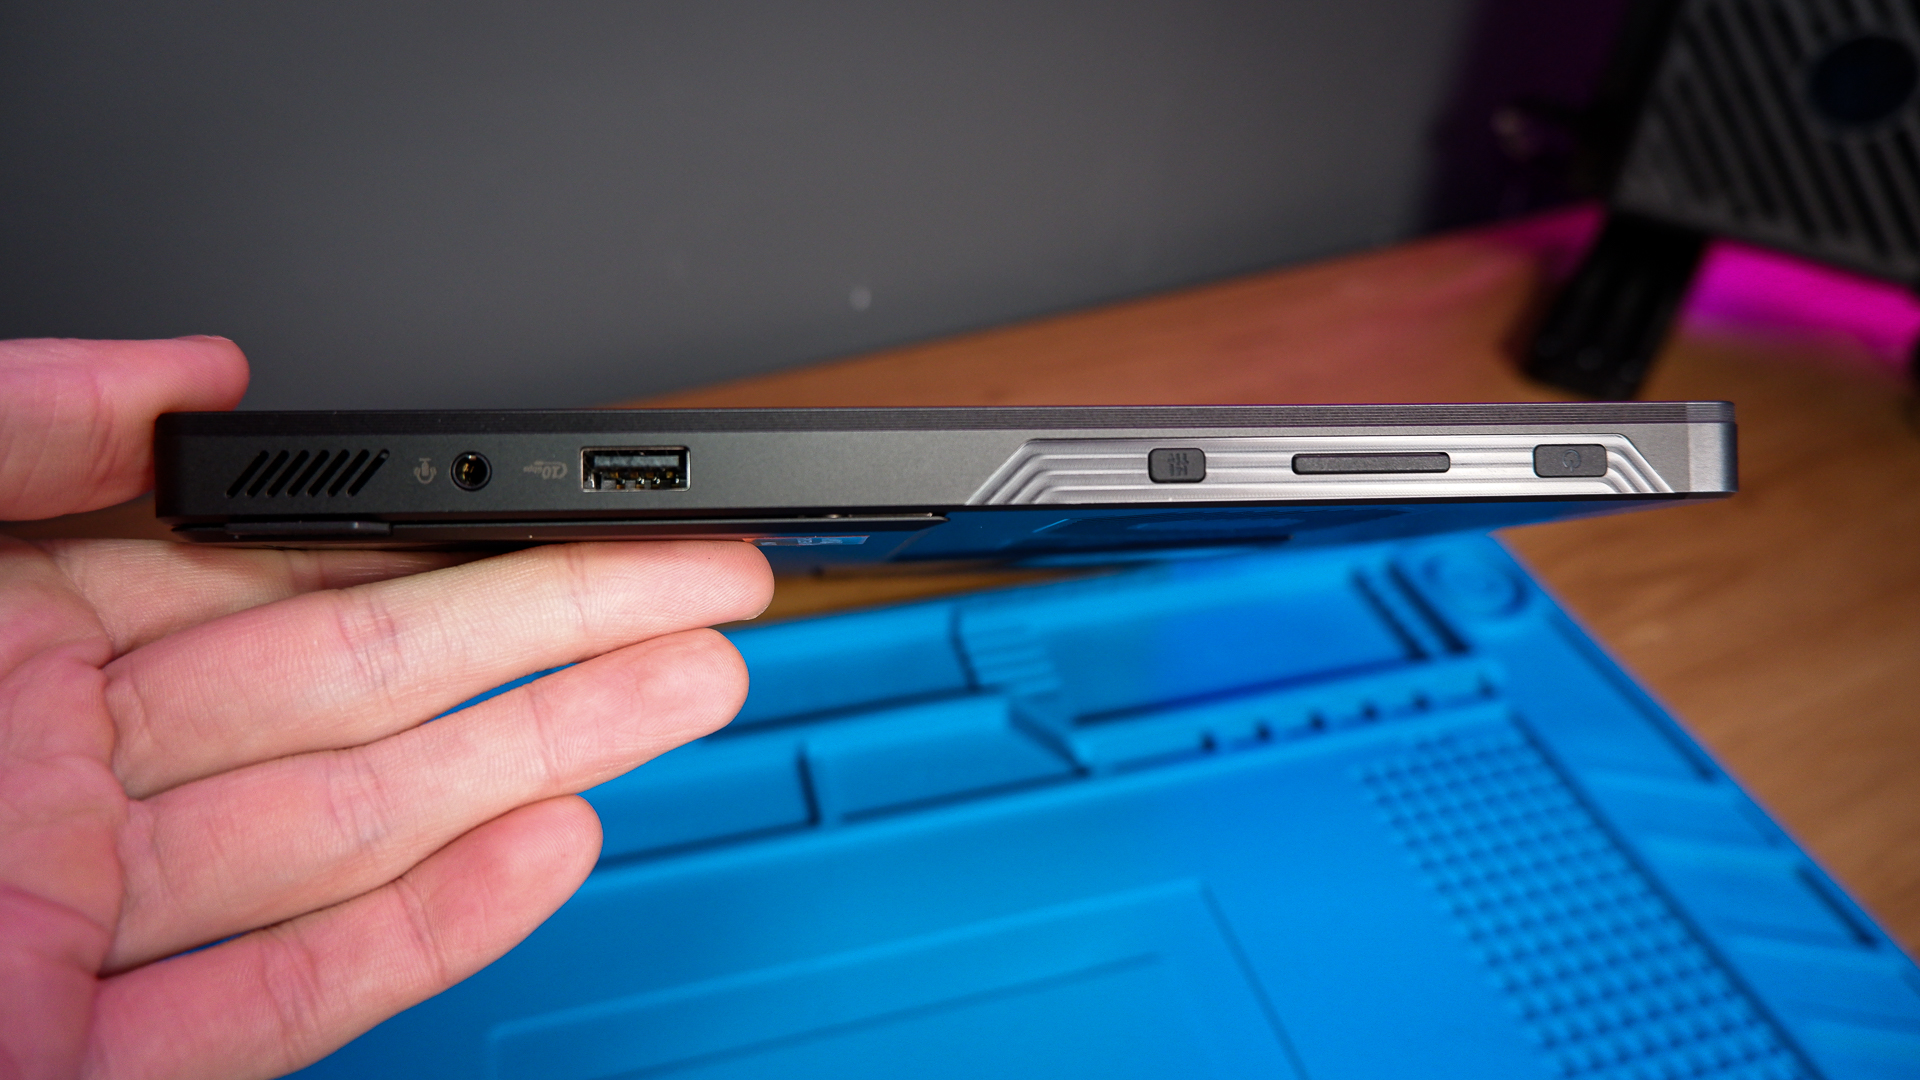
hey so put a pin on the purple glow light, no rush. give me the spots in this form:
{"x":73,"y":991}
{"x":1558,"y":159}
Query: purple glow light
{"x":1752,"y":288}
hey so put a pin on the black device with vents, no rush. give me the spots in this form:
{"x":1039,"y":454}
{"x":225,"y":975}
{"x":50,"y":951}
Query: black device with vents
{"x":1793,"y":124}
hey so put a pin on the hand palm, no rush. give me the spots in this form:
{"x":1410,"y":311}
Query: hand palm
{"x":196,"y":744}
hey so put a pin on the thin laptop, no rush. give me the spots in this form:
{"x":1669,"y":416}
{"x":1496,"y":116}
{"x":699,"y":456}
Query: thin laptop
{"x":819,"y":487}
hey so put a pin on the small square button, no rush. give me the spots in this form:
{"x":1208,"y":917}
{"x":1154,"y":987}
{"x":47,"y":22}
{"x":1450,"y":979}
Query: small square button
{"x":1177,"y":466}
{"x":1570,"y":459}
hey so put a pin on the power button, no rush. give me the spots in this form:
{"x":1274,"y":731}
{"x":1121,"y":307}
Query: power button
{"x":1570,"y":459}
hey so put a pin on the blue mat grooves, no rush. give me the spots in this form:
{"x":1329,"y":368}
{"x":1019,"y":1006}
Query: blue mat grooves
{"x":1367,"y":812}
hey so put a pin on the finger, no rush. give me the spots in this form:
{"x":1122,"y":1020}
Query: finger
{"x":252,"y":847}
{"x":345,"y":667}
{"x":142,"y":590}
{"x":76,"y":417}
{"x":281,"y":998}
{"x":48,"y":958}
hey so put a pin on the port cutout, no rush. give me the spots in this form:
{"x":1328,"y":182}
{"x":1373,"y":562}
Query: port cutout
{"x":471,"y":471}
{"x":633,"y":468}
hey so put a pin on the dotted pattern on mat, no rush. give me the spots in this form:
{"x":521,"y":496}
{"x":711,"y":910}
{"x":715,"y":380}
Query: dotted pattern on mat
{"x":1610,"y":983}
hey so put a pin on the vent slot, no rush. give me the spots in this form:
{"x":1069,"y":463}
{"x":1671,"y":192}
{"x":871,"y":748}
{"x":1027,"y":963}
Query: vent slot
{"x":286,"y":474}
{"x":272,"y":471}
{"x":378,"y":460}
{"x":353,"y":470}
{"x":246,"y":474}
{"x":306,"y":473}
{"x":319,"y":482}
{"x":1732,"y":141}
{"x":319,"y":460}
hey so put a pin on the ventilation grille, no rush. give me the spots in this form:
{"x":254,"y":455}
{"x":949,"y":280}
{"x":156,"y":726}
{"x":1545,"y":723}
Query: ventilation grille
{"x":306,"y":473}
{"x":1732,"y":141}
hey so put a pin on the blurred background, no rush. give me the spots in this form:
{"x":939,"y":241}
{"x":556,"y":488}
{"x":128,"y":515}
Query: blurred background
{"x":508,"y":205}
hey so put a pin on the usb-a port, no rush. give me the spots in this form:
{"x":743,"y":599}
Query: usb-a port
{"x":633,"y":468}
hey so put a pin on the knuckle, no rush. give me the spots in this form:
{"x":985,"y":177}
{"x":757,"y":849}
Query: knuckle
{"x":422,"y":935}
{"x":290,"y":984}
{"x":373,"y":640}
{"x":134,"y":732}
{"x":579,"y":585}
{"x":546,"y":715}
{"x":356,"y":800}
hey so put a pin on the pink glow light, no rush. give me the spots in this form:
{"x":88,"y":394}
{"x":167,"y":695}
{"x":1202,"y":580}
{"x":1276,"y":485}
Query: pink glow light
{"x":1755,"y":289}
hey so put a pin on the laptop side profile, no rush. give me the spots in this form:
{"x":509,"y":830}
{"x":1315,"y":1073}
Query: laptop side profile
{"x":825,"y":486}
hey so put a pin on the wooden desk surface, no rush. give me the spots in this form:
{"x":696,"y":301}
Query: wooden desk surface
{"x":1782,"y":626}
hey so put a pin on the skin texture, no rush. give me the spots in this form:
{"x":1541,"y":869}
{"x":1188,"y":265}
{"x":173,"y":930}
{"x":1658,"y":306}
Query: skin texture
{"x":198,"y":745}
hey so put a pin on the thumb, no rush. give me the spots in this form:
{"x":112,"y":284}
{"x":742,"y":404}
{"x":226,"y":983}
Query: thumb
{"x":76,"y":417}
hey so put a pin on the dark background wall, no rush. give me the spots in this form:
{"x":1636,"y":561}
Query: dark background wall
{"x":493,"y":204}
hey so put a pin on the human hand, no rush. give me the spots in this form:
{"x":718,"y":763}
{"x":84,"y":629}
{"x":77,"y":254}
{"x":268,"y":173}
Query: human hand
{"x":199,"y":743}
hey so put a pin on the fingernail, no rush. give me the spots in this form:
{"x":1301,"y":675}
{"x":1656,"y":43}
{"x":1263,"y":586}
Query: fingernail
{"x":204,"y":337}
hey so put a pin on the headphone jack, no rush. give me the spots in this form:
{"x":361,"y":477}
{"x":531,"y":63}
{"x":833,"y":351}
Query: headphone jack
{"x":471,"y":471}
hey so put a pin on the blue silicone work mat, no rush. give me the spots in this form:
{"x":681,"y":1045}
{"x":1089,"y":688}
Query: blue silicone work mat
{"x":1372,"y":812}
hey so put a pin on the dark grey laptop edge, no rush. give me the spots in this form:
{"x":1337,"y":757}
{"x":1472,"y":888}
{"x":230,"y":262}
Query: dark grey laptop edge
{"x":824,"y":486}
